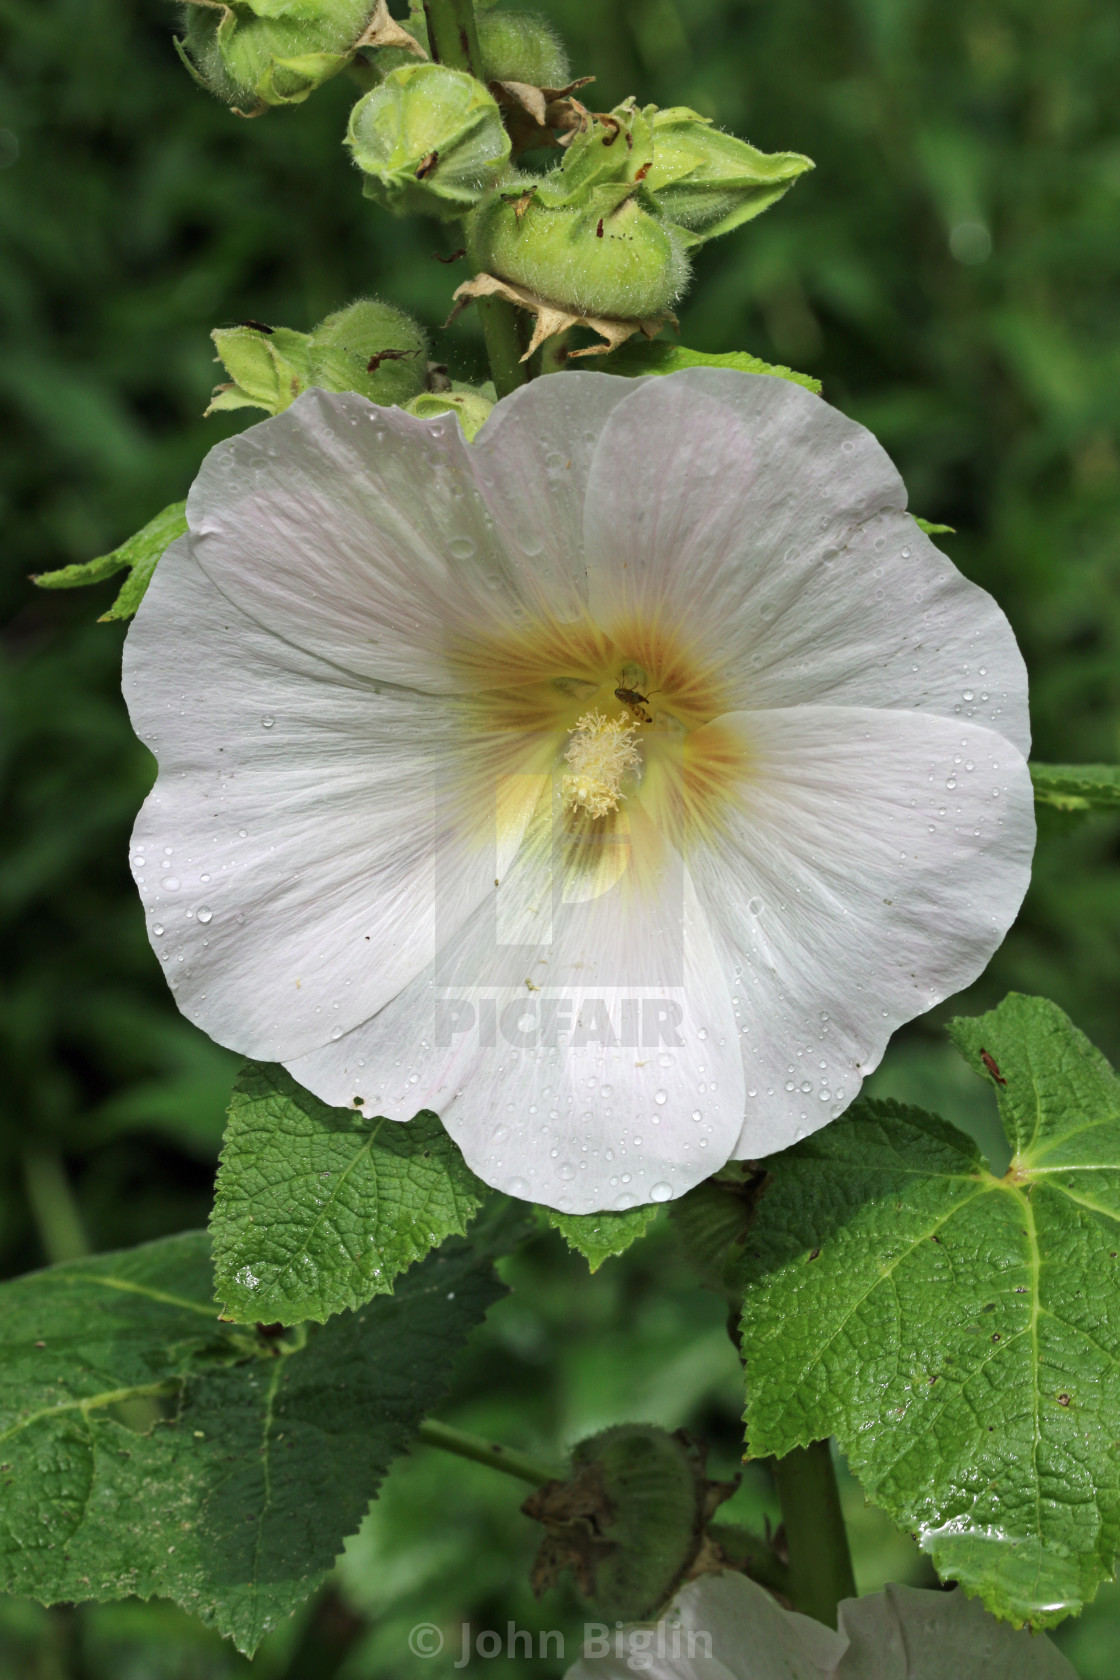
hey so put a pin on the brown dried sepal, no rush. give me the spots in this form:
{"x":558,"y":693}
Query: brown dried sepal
{"x":383,"y":30}
{"x":574,"y":1515}
{"x":535,"y":116}
{"x":554,"y":318}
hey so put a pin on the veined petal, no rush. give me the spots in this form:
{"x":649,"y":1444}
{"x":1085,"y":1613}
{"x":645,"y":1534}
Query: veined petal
{"x":532,"y":460}
{"x":306,"y":837}
{"x":723,"y":1627}
{"x":360,"y":534}
{"x":576,"y":1038}
{"x":872,"y":866}
{"x":770,"y":531}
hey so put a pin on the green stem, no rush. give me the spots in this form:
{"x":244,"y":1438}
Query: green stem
{"x":54,"y":1208}
{"x":820,"y":1563}
{"x":517,"y":1464}
{"x":453,"y":38}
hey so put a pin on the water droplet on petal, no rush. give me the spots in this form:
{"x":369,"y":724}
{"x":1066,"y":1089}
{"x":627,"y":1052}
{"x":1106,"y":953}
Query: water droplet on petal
{"x":170,"y":883}
{"x":204,"y":913}
{"x":661,"y":1192}
{"x":267,"y":721}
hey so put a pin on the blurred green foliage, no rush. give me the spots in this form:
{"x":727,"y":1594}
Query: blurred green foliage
{"x":949,"y":272}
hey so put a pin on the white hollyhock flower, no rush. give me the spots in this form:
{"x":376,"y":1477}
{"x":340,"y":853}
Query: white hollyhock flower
{"x":725,"y":1627}
{"x":614,"y":785}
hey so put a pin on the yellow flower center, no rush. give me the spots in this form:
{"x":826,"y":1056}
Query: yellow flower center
{"x":596,"y":715}
{"x":600,"y":754}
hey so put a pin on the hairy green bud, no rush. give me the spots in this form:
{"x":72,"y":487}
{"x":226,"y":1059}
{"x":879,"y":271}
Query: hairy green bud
{"x":629,"y":1522}
{"x":429,"y":140}
{"x":471,"y":406}
{"x":257,"y":53}
{"x":521,"y":47}
{"x":708,"y":182}
{"x":613,"y":260}
{"x":368,"y":347}
{"x":515,"y":47}
{"x":588,"y":235}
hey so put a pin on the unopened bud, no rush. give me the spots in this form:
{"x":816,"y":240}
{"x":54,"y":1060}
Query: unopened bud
{"x":708,"y":182}
{"x":521,"y":47}
{"x":471,"y":407}
{"x":429,"y":140}
{"x":257,"y":53}
{"x":613,"y":260}
{"x":368,"y":347}
{"x":629,"y":1522}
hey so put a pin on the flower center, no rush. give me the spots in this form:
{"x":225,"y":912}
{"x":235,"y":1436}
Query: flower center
{"x":600,"y":754}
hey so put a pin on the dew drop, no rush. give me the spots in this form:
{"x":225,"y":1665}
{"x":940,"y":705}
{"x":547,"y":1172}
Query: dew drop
{"x":755,"y":906}
{"x":661,"y":1192}
{"x":518,"y":1187}
{"x":267,"y":721}
{"x":661,"y":1096}
{"x":461,"y":548}
{"x":157,"y":928}
{"x":170,"y":883}
{"x":204,"y":913}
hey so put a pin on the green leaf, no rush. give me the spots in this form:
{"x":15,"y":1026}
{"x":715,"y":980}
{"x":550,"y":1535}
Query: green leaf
{"x":641,"y":356}
{"x":236,"y":1501}
{"x":932,"y":530}
{"x":1077,"y":787}
{"x":959,"y":1333}
{"x":599,"y":1235}
{"x":318,"y":1209}
{"x":138,"y":556}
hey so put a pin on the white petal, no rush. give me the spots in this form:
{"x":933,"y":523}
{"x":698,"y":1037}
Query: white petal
{"x":360,"y":534}
{"x":875,"y":862}
{"x":903,"y":1633}
{"x":532,"y":459}
{"x":287,"y":856}
{"x":908,"y":1633}
{"x":581,"y":1050}
{"x":747,"y":1633}
{"x":770,"y":530}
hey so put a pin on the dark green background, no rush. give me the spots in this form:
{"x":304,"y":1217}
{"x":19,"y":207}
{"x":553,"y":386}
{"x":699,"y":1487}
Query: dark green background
{"x":950,"y":271}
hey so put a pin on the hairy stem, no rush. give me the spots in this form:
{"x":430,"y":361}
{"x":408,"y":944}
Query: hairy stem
{"x":453,"y":38}
{"x":54,"y":1207}
{"x":452,"y":35}
{"x":512,"y":1463}
{"x":820,"y":1563}
{"x":503,"y":336}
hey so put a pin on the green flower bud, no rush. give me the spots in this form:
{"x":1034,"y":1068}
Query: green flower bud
{"x":588,"y":236}
{"x":629,"y":1523}
{"x":515,"y":47}
{"x":257,"y":53}
{"x":605,"y":255}
{"x":614,"y":155}
{"x":368,"y":347}
{"x":521,"y":47}
{"x":429,"y":140}
{"x":709,"y":182}
{"x":269,"y":367}
{"x":473,"y":407}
